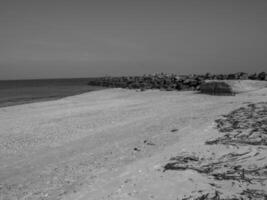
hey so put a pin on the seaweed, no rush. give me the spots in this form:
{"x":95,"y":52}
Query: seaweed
{"x":243,"y":126}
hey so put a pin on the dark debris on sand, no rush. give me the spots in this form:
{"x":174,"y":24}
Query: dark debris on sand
{"x":250,"y":194}
{"x":223,"y":168}
{"x":246,"y":125}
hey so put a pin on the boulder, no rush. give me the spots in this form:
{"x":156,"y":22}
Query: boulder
{"x":216,"y":88}
{"x":262,"y":76}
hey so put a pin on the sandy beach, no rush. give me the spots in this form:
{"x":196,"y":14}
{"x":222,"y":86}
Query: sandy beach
{"x":113,"y":144}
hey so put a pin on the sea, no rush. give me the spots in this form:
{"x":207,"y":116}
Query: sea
{"x":15,"y":92}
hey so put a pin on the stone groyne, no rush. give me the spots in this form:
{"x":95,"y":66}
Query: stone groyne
{"x":169,"y":81}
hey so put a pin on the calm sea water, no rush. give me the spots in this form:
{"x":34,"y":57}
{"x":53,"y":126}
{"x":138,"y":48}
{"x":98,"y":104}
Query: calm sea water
{"x":27,"y":91}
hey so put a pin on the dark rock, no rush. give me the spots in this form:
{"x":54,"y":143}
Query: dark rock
{"x":136,"y":149}
{"x":216,"y":88}
{"x":262,"y":76}
{"x":169,"y":81}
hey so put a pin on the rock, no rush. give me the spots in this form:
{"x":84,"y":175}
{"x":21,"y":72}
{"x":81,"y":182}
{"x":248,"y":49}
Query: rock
{"x":262,"y":76}
{"x":216,"y":88}
{"x":169,"y":81}
{"x":136,"y":149}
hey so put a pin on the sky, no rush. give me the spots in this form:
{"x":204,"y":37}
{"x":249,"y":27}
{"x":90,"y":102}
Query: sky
{"x":86,"y":38}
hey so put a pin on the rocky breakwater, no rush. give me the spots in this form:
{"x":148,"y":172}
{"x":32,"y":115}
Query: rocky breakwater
{"x":169,"y":81}
{"x":155,"y":81}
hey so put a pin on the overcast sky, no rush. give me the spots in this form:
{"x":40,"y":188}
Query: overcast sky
{"x":53,"y":38}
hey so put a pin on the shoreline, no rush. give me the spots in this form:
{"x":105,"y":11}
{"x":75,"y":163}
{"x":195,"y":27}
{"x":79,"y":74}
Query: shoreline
{"x":23,"y":92}
{"x":29,"y":100}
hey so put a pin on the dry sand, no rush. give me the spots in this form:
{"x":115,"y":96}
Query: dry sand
{"x":113,"y":144}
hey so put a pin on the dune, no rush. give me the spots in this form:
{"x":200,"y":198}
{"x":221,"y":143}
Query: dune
{"x":247,"y":85}
{"x":240,"y":86}
{"x":113,"y":144}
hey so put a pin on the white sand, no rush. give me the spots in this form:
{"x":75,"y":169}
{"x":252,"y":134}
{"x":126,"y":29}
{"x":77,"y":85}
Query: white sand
{"x":82,"y":147}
